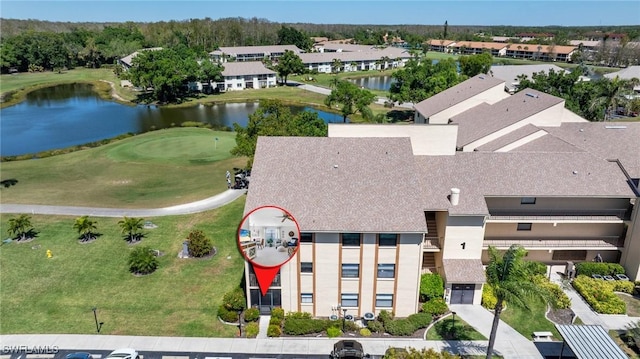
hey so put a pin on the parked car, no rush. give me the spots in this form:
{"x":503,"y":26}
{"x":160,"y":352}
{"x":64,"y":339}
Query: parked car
{"x":124,"y":353}
{"x":621,"y":277}
{"x":79,"y":355}
{"x":348,"y":349}
{"x":596,"y":276}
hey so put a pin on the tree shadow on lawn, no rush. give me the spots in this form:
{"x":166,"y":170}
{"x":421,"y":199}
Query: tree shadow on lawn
{"x":90,"y":238}
{"x":30,"y":235}
{"x":134,"y":239}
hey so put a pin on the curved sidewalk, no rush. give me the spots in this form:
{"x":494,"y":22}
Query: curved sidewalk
{"x":206,"y":204}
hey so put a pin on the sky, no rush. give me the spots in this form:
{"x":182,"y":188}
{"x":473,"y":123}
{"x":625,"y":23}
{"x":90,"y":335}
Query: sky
{"x":388,"y":12}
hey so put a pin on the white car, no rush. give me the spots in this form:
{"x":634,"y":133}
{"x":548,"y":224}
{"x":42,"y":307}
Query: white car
{"x":124,"y":353}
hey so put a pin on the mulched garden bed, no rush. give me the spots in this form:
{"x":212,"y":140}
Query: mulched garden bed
{"x":560,"y":316}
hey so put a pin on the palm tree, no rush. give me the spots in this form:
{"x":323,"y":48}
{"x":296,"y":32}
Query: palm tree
{"x":336,"y":66}
{"x":85,"y":227}
{"x":20,"y":227}
{"x":510,"y":280}
{"x":613,"y":94}
{"x":131,"y":226}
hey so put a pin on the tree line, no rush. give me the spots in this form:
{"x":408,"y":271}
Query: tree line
{"x":42,"y":45}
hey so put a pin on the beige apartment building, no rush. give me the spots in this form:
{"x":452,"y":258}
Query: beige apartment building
{"x":378,"y":205}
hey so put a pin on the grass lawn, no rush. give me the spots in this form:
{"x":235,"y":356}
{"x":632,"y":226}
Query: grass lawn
{"x":446,"y":330}
{"x":633,"y":304}
{"x":137,"y":172}
{"x":56,"y":295}
{"x":526,"y":322}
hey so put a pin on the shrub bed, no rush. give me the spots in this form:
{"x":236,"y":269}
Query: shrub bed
{"x":251,"y":330}
{"x":229,"y":316}
{"x":589,"y":268}
{"x":274,"y":331}
{"x":252,"y":315}
{"x":599,"y":294}
{"x":559,"y":299}
{"x":294,"y":326}
{"x":435,"y":307}
{"x":408,"y":326}
{"x":489,"y":299}
{"x":431,"y":286}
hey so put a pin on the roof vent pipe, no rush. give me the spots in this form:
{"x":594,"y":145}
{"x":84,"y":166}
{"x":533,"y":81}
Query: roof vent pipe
{"x":454,"y":197}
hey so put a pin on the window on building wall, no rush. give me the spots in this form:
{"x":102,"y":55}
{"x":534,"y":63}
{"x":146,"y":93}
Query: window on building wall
{"x":387,"y":240}
{"x":528,"y":200}
{"x":306,"y":298}
{"x":568,"y":255}
{"x":350,"y":270}
{"x":306,"y":237}
{"x":349,"y":300}
{"x":524,"y":226}
{"x":386,"y":270}
{"x":384,"y":300}
{"x":306,"y":267}
{"x":350,"y":239}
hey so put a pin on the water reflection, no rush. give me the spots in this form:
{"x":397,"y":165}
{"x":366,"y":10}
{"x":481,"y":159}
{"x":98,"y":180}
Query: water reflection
{"x":69,"y":115}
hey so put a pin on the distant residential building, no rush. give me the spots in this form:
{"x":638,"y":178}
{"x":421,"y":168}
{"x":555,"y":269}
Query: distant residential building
{"x":440,"y":45}
{"x":356,"y":58}
{"x":246,"y":75}
{"x":251,"y":53}
{"x":540,"y":52}
{"x":477,"y":47}
{"x":127,"y":61}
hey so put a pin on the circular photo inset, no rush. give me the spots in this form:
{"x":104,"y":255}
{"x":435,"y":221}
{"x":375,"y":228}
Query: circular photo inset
{"x":268,"y":236}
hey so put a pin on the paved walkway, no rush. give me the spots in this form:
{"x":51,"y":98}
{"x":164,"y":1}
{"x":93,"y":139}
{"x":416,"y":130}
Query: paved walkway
{"x":264,"y":326}
{"x":509,"y":343}
{"x":206,"y":204}
{"x":584,"y":311}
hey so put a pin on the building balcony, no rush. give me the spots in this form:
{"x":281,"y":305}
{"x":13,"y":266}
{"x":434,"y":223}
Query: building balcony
{"x":558,"y":215}
{"x":431,"y":244}
{"x":606,"y":242}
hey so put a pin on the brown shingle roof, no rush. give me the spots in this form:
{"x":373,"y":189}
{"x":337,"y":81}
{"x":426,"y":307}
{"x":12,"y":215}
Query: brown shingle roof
{"x":463,"y":271}
{"x":456,"y":94}
{"x":245,"y":68}
{"x":482,"y":120}
{"x":480,"y":174}
{"x":339,"y":184}
{"x":606,"y":140}
{"x":480,"y":45}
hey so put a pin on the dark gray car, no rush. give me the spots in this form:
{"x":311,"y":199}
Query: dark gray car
{"x":348,"y":349}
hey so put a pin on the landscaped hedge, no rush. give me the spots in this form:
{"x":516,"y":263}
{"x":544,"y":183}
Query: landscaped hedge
{"x":277,"y":313}
{"x":251,"y":330}
{"x":559,"y":299}
{"x":229,"y":316}
{"x":251,"y":315}
{"x":375,"y":326}
{"x":590,"y":268}
{"x":624,"y":286}
{"x":293,"y":326}
{"x":489,"y":299}
{"x":408,"y":326}
{"x":435,"y":306}
{"x":599,"y":294}
{"x":431,"y":286}
{"x":274,"y":331}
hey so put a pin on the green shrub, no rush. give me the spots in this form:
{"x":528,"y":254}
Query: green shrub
{"x":536,"y":268}
{"x":599,"y":294}
{"x":559,"y":299}
{"x":229,"y":316}
{"x":275,"y":321}
{"x":435,"y":306}
{"x":333,"y":332}
{"x":277,"y":313}
{"x":235,"y":300}
{"x":431,"y":286}
{"x":142,"y":260}
{"x":589,"y":268}
{"x":365,"y":332}
{"x":385,"y":316}
{"x":421,"y":320}
{"x":198,"y":244}
{"x":624,"y":286}
{"x":302,"y":326}
{"x":375,"y":326}
{"x":274,"y":331}
{"x":298,"y":315}
{"x":251,"y":314}
{"x":489,"y":299}
{"x":349,"y":326}
{"x":400,"y":327}
{"x":251,"y":330}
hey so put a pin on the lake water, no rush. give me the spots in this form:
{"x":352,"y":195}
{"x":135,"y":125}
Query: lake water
{"x":70,"y":115}
{"x":375,"y":82}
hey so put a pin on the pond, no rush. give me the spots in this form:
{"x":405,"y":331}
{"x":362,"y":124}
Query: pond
{"x":69,"y":115}
{"x":374,"y":82}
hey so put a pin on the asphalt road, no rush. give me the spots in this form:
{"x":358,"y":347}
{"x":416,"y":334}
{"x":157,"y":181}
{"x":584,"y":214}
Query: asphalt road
{"x":206,"y":204}
{"x":101,"y":354}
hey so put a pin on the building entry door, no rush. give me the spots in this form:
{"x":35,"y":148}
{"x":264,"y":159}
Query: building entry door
{"x":266,"y":302}
{"x":462,"y":293}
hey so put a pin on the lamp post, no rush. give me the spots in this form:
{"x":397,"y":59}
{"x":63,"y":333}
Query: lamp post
{"x":240,"y":322}
{"x":95,"y":316}
{"x":344,"y":314}
{"x":453,"y":324}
